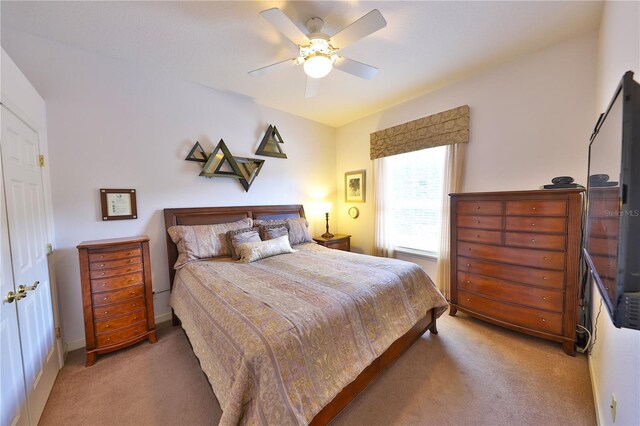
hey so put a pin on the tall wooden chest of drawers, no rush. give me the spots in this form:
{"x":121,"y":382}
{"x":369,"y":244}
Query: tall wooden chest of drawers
{"x":515,"y":260}
{"x":116,"y":294}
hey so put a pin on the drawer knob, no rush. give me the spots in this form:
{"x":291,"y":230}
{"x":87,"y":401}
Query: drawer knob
{"x":468,"y":264}
{"x":106,"y":312}
{"x":468,"y":282}
{"x":133,"y":292}
{"x":533,"y":208}
{"x":478,"y":207}
{"x":135,"y":331}
{"x":533,"y":240}
{"x":102,"y":273}
{"x":544,"y":320}
{"x":105,"y":298}
{"x":102,"y":264}
{"x":544,"y":298}
{"x":544,"y":258}
{"x":106,"y":326}
{"x":108,"y":338}
{"x":135,"y":304}
{"x":468,"y":300}
{"x":544,"y":278}
{"x":128,"y":253}
{"x":104,"y":285}
{"x":130,"y":279}
{"x":101,"y":257}
{"x":130,"y":261}
{"x":478,"y":236}
{"x":477,"y":221}
{"x":533,"y":224}
{"x":135,"y":318}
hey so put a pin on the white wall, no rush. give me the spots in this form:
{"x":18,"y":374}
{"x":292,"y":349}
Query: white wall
{"x":530,"y":121}
{"x":112,"y":125}
{"x":615,"y":359}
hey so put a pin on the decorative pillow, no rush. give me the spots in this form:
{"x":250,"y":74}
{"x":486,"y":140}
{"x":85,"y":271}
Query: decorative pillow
{"x":264,"y":230}
{"x":250,"y":252}
{"x":239,"y":236}
{"x":260,"y":222}
{"x":299,"y":231}
{"x":270,"y":234}
{"x":203,"y":241}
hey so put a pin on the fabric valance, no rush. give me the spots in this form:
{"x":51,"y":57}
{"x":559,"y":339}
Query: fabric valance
{"x":443,"y":128}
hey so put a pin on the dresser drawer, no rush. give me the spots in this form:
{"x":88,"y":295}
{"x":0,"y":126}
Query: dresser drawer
{"x":540,"y":298}
{"x":106,"y":273}
{"x":108,"y":264}
{"x":480,"y":236}
{"x":515,"y":256}
{"x":114,"y":296}
{"x":115,"y":323}
{"x":118,"y":308}
{"x":480,"y":222}
{"x":553,"y":225}
{"x":121,"y":335}
{"x":113,"y":283}
{"x":606,"y":266}
{"x":479,"y":207}
{"x":521,"y":274}
{"x":112,"y":255}
{"x":605,"y":227}
{"x":548,"y":322}
{"x":603,"y":247}
{"x":608,"y":207}
{"x":539,"y":241}
{"x":338,"y":245}
{"x":537,"y":208}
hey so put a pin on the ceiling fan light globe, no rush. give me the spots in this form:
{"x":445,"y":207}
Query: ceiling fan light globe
{"x":318,"y":65}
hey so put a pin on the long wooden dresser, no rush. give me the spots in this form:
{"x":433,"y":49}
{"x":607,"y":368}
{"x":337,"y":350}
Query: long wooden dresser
{"x":116,"y":294}
{"x":515,"y":260}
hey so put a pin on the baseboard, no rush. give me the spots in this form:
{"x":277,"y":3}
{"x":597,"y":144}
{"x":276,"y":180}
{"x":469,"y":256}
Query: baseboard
{"x":76,"y":344}
{"x":81,"y":343}
{"x":595,"y":393}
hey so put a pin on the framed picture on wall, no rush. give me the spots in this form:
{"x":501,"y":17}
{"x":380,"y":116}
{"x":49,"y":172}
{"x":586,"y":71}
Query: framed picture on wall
{"x":118,"y":204}
{"x":355,"y":186}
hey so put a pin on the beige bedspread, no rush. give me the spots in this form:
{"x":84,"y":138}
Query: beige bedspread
{"x":279,"y":338}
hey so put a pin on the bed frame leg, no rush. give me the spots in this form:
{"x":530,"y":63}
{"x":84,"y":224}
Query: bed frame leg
{"x":433,"y":328}
{"x":174,"y":318}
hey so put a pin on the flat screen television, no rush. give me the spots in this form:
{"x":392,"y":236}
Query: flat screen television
{"x":612,"y":238}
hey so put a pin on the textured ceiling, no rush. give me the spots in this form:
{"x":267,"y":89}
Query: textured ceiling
{"x":424,"y":46}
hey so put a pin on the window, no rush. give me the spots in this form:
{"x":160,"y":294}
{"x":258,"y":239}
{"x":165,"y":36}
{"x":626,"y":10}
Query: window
{"x":415,"y":183}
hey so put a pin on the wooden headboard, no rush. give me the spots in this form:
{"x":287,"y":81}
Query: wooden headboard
{"x":213,"y":215}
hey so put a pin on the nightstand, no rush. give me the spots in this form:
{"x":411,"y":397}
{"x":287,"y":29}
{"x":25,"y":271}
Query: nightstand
{"x":338,"y":242}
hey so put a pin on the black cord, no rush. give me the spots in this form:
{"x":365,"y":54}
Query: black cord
{"x":595,"y":328}
{"x":161,"y":291}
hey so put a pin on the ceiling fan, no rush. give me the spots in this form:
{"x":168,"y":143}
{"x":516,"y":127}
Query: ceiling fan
{"x":318,"y":51}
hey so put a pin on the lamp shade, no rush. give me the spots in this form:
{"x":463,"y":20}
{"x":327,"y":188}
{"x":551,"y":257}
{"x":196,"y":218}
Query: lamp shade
{"x":318,"y":65}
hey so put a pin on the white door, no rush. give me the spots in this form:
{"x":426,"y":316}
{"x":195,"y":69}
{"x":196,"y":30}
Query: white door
{"x":24,"y":197}
{"x":13,"y":407}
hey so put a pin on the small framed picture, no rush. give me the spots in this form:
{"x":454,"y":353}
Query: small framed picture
{"x":118,"y":204}
{"x":355,"y":186}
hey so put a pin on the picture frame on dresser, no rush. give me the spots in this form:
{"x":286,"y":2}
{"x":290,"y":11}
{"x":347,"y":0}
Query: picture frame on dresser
{"x":515,"y":260}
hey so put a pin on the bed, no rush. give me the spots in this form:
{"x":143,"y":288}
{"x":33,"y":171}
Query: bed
{"x":292,"y":339}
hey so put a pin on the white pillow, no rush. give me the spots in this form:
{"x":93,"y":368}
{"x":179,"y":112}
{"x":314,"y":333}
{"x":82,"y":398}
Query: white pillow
{"x":250,"y":252}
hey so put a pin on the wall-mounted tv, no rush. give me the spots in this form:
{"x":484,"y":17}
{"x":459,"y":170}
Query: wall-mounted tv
{"x":612,"y":239}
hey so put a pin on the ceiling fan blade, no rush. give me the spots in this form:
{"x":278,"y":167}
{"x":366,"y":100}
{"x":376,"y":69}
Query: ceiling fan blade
{"x":282,"y":64}
{"x":355,"y":68}
{"x":368,"y":24}
{"x":278,"y":19}
{"x":311,"y":89}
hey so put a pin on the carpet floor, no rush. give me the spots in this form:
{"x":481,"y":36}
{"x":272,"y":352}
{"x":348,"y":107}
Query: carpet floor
{"x":471,"y":373}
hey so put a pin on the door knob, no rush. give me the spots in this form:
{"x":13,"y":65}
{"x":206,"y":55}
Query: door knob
{"x":11,"y":296}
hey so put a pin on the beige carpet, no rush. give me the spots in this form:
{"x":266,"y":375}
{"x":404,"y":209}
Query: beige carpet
{"x":472,"y":373}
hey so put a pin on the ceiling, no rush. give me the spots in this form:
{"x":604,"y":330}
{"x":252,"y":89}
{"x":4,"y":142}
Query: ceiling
{"x":425,"y":44}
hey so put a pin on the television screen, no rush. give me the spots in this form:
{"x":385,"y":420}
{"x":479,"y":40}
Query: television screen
{"x":612,"y":248}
